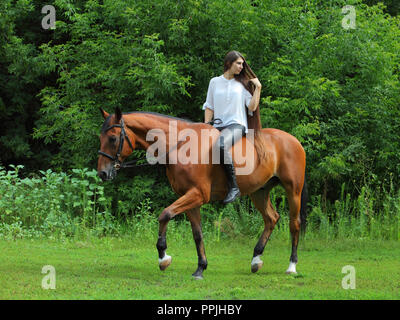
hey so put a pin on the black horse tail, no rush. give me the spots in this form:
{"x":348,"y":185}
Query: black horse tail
{"x":303,"y":208}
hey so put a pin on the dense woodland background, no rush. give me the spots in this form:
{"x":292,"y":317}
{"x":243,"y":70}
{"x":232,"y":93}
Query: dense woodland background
{"x":337,"y":90}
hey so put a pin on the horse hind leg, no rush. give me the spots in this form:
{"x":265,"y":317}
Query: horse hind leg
{"x":294,"y":198}
{"x":263,"y":204}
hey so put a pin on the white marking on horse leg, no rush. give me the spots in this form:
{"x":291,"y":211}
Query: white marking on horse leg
{"x":164,"y":262}
{"x":292,"y":268}
{"x":256,"y":260}
{"x":256,"y":263}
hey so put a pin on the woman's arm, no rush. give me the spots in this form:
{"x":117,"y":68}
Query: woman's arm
{"x":208,"y":115}
{"x":208,"y":106}
{"x":256,"y":95}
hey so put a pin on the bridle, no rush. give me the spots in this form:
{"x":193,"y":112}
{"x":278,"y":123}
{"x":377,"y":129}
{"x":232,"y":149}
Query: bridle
{"x":117,"y":163}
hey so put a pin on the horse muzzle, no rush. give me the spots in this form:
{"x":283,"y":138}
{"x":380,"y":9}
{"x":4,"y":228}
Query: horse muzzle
{"x":107,"y":175}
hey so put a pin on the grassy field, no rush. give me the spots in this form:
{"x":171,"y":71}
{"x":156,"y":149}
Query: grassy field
{"x":112,"y":268}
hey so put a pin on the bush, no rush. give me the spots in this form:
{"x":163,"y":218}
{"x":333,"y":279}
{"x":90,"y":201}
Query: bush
{"x":53,"y":203}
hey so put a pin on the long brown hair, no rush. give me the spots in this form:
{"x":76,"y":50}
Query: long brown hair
{"x":254,"y":121}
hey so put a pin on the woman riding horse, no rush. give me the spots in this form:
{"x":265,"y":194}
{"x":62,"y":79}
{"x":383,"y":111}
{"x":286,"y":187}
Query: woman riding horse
{"x":227,"y":98}
{"x":275,"y":156}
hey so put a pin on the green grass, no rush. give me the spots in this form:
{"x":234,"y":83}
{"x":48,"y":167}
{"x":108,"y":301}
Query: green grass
{"x":111,"y":268}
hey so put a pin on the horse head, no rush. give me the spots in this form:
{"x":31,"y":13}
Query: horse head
{"x":113,"y":149}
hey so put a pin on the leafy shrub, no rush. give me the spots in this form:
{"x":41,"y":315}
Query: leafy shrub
{"x":53,"y":203}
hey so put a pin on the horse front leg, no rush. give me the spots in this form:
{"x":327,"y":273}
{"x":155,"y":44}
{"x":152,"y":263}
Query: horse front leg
{"x":191,"y":199}
{"x":194,"y":218}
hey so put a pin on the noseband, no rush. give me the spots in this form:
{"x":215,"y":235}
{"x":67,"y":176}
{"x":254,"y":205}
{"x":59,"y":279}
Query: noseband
{"x":122,"y":137}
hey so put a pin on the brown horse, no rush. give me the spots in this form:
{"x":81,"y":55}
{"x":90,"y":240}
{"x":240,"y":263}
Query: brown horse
{"x":200,"y":181}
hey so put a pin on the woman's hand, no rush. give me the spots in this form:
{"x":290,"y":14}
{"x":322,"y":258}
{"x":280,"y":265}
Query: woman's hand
{"x":208,"y":115}
{"x":256,"y":95}
{"x":256,"y":82}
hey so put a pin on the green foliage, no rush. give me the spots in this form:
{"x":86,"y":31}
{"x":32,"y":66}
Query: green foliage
{"x":76,"y":204}
{"x":336,"y":90}
{"x":374,"y":214}
{"x":53,"y":204}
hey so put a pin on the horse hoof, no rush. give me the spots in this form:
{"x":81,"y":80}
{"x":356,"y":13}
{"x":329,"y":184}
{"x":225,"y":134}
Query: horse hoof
{"x":197,"y":277}
{"x":292,"y":268}
{"x":164,"y":262}
{"x":291,"y":272}
{"x":256,"y":264}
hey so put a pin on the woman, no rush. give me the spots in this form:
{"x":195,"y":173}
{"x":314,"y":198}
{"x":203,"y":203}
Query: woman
{"x":227,"y":98}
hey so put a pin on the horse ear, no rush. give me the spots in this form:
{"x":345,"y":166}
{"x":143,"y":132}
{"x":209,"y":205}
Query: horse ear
{"x":118,"y":114}
{"x":104,"y":113}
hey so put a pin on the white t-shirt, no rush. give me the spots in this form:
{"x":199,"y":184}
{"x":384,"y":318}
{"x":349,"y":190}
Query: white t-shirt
{"x":228,"y":99}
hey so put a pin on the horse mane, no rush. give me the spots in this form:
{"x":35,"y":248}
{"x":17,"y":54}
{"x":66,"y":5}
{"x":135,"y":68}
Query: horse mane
{"x":106,"y":122}
{"x":160,"y":115}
